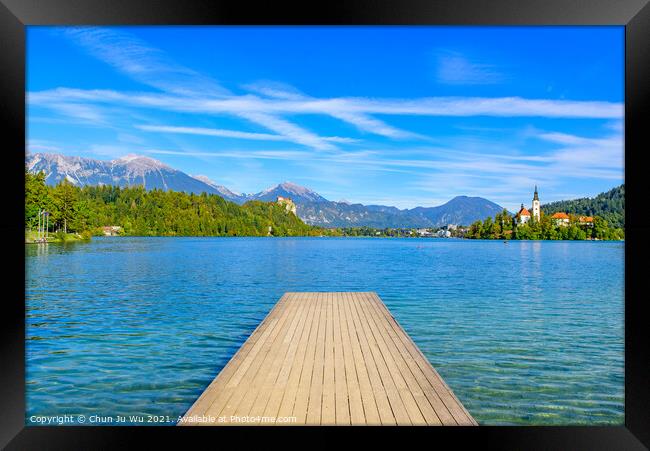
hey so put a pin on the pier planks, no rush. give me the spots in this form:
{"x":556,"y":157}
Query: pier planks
{"x":328,"y":359}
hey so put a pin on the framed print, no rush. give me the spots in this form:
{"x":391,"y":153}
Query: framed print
{"x":369,"y":216}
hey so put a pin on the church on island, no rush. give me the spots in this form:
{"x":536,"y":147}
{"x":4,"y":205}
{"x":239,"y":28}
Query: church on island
{"x":559,"y":219}
{"x":523,"y":216}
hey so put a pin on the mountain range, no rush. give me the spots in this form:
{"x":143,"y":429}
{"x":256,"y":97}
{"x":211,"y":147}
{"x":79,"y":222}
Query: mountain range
{"x":312,"y":208}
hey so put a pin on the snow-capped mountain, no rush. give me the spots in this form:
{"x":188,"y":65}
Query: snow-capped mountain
{"x":299,"y":194}
{"x":134,"y":170}
{"x":131,"y":170}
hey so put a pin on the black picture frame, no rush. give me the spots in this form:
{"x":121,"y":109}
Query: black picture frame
{"x":633,"y":14}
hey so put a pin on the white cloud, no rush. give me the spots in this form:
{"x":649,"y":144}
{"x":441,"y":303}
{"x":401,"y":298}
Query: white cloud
{"x":360,"y":120}
{"x":182,"y":89}
{"x":431,"y":106}
{"x":455,"y":69}
{"x":287,"y":129}
{"x":370,"y":124}
{"x":564,"y":138}
{"x":236,"y":154}
{"x":151,"y":66}
{"x":34,"y":147}
{"x":490,"y":171}
{"x":143,"y":63}
{"x":588,"y":155}
{"x":83,"y":113}
{"x":211,"y":132}
{"x":231,"y":133}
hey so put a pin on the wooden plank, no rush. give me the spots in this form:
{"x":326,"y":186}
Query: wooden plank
{"x":251,"y":383}
{"x":283,"y":392}
{"x":232,"y":393}
{"x":300,"y":407}
{"x":419,"y":372}
{"x":328,"y":358}
{"x":389,"y":388}
{"x":454,"y":406}
{"x":258,"y":336}
{"x":421,"y":411}
{"x":328,"y":406}
{"x":400,"y":386}
{"x":316,"y":388}
{"x":260,"y":391}
{"x":372,"y":386}
{"x":340,"y":378}
{"x":354,"y":400}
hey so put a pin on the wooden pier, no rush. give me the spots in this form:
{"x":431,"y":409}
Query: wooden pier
{"x":328,"y":359}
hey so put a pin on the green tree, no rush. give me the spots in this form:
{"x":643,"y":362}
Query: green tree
{"x":65,"y":198}
{"x":474,"y":230}
{"x":599,"y":229}
{"x":37,"y":198}
{"x":487,"y":229}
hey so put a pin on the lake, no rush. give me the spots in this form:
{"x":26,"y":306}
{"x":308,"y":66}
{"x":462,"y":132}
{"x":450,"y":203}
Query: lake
{"x":527,"y":332}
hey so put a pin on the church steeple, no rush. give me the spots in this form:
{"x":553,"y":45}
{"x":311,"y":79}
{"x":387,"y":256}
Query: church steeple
{"x":536,"y":205}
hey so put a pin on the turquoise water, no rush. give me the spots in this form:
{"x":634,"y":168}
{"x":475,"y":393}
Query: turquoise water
{"x":524,"y":333}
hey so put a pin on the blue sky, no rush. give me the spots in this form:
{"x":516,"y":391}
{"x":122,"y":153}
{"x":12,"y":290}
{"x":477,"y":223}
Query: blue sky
{"x":402,"y":116}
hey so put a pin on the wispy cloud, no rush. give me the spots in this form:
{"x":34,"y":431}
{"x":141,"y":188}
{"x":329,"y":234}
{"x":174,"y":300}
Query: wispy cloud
{"x":289,"y":155}
{"x":88,"y":114}
{"x":287,"y":129}
{"x":498,"y":159}
{"x":152,"y":67}
{"x":231,"y":133}
{"x":211,"y":132}
{"x":256,"y":108}
{"x":268,"y":103}
{"x":370,"y":124}
{"x":38,"y":145}
{"x":565,"y":138}
{"x":143,"y":63}
{"x":455,"y":69}
{"x":359,"y":119}
{"x":583,"y":155}
{"x":569,"y":160}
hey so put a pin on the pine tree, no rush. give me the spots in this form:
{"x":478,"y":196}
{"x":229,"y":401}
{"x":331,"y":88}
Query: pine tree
{"x":65,"y":196}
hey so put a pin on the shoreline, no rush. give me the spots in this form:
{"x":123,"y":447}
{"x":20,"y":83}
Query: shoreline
{"x":328,"y":236}
{"x":30,"y":238}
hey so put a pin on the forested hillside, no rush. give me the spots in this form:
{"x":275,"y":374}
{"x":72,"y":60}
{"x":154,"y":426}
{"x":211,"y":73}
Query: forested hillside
{"x":609,"y":205}
{"x":155,"y":212}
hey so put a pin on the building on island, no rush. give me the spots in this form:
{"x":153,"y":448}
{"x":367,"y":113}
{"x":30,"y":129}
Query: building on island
{"x":288,"y":203}
{"x":111,"y":230}
{"x":536,"y":206}
{"x":560,"y":219}
{"x":587,"y":221}
{"x":523,"y":215}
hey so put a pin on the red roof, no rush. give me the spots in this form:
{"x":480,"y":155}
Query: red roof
{"x":586,"y":219}
{"x":523,"y":212}
{"x":560,"y":215}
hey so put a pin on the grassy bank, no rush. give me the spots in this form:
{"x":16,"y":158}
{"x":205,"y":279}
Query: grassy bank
{"x":57,"y":237}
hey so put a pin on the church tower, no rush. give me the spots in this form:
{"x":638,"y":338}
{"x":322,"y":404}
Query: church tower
{"x":536,"y":206}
